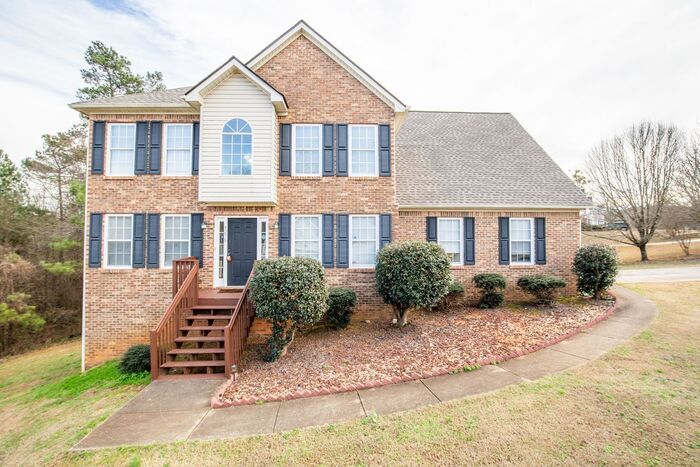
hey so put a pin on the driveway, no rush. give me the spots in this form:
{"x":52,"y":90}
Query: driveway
{"x":671,"y":274}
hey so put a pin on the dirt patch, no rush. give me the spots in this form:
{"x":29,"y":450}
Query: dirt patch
{"x":432,"y":343}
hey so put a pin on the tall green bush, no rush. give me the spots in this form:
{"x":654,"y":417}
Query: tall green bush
{"x":542,"y":286}
{"x":491,"y":286}
{"x":412,"y":274}
{"x":291,"y":293}
{"x":18,"y":321}
{"x":596,"y":268}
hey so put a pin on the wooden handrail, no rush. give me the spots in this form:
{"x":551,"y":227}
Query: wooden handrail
{"x":186,"y":292}
{"x":236,"y":332}
{"x":181,"y":268}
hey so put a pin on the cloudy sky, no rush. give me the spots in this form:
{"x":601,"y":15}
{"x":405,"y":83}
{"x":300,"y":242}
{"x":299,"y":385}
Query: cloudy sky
{"x":571,"y":72}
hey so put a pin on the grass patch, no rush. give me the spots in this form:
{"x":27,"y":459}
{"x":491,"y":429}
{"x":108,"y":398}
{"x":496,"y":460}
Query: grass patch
{"x":47,"y":404}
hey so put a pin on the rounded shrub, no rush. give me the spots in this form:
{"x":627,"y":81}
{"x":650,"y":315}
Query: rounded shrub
{"x":596,"y":268}
{"x":341,"y":304}
{"x":492,"y":286}
{"x":412,"y":274}
{"x":291,"y":293}
{"x":455,"y":294}
{"x":136,"y":360}
{"x":542,"y":286}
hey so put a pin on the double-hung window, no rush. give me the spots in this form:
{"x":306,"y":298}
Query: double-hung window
{"x":306,"y":231}
{"x":364,"y":241}
{"x":178,"y":149}
{"x":176,"y":238}
{"x":449,"y":237}
{"x":364,"y":157}
{"x":521,"y":241}
{"x":306,"y":150}
{"x":122,"y":145}
{"x":119,"y":233}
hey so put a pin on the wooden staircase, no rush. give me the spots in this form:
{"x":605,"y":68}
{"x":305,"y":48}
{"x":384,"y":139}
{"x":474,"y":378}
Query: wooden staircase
{"x":203,"y":331}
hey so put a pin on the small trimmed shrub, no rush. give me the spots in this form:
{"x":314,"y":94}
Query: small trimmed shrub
{"x":291,"y":293}
{"x":492,"y":286}
{"x":596,"y":268}
{"x":542,"y":286}
{"x":341,"y":305}
{"x":136,"y":360}
{"x":412,"y":274}
{"x":455,"y":293}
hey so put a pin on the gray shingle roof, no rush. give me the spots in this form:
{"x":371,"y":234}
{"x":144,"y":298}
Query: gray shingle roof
{"x":450,"y":159}
{"x":167,"y":97}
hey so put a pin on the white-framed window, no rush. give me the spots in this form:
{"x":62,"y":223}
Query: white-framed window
{"x":306,"y":149}
{"x":237,"y":148}
{"x":176,"y":234}
{"x":178,"y":149}
{"x":119,"y":235}
{"x":306,"y":237}
{"x":122,"y":148}
{"x":364,"y":241}
{"x":450,"y":238}
{"x":522,"y":245}
{"x":363,"y":150}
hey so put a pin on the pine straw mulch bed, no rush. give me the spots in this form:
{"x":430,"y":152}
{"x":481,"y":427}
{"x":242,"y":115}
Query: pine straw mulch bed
{"x":372,"y":354}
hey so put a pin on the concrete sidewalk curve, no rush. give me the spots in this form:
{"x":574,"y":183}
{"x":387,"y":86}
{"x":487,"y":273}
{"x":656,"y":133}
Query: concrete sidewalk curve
{"x":156,"y":414}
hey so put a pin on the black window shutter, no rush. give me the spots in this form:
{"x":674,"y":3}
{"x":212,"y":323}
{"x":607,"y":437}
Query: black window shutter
{"x":540,"y":241}
{"x":153,"y":241}
{"x":285,"y":149}
{"x":384,"y":151}
{"x":139,"y":233}
{"x":154,"y":147}
{"x":431,"y":229}
{"x":196,"y":244}
{"x":342,"y":150}
{"x":328,"y":161}
{"x":503,"y":240}
{"x":95,"y":247}
{"x":98,"y":148}
{"x":469,"y":241}
{"x":284,"y":246}
{"x":195,"y":148}
{"x":384,"y":230}
{"x":342,"y":238}
{"x":141,"y":143}
{"x":328,"y":240}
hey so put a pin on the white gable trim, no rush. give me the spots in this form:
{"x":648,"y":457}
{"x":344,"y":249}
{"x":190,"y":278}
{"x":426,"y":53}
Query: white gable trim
{"x":196,"y":94}
{"x":301,"y":28}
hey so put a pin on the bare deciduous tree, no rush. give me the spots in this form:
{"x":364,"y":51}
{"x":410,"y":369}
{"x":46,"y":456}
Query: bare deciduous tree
{"x":689,"y":175}
{"x":632,"y":175}
{"x":679,"y":224}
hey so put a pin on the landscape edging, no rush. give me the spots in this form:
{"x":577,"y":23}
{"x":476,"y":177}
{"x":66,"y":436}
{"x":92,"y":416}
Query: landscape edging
{"x":218,"y":402}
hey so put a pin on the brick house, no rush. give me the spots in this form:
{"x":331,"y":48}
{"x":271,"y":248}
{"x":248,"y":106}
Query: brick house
{"x":299,"y":152}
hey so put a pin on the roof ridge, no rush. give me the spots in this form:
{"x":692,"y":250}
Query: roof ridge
{"x":459,"y":112}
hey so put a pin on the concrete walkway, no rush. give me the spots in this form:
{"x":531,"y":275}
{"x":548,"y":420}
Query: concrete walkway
{"x":169,"y":411}
{"x":671,"y":274}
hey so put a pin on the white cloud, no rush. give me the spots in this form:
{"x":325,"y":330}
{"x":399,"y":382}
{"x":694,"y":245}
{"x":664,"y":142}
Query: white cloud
{"x":571,"y":72}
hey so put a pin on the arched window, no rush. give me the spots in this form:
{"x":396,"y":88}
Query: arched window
{"x":236,"y":147}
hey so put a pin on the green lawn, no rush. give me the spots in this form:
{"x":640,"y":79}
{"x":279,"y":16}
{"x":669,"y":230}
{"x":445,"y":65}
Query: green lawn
{"x":639,"y":404}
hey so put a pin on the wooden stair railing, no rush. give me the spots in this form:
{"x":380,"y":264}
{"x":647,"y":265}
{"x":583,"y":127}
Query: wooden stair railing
{"x":236,"y":333}
{"x":185,"y":296}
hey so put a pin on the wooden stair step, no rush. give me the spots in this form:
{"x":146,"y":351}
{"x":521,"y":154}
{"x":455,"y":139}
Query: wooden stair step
{"x":214,"y":307}
{"x":208,"y":317}
{"x":195,"y":351}
{"x":199,"y":339}
{"x":202,"y":328}
{"x":194,"y":363}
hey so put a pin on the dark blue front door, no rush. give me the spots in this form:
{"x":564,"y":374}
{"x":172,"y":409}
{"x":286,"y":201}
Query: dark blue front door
{"x":242,"y":241}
